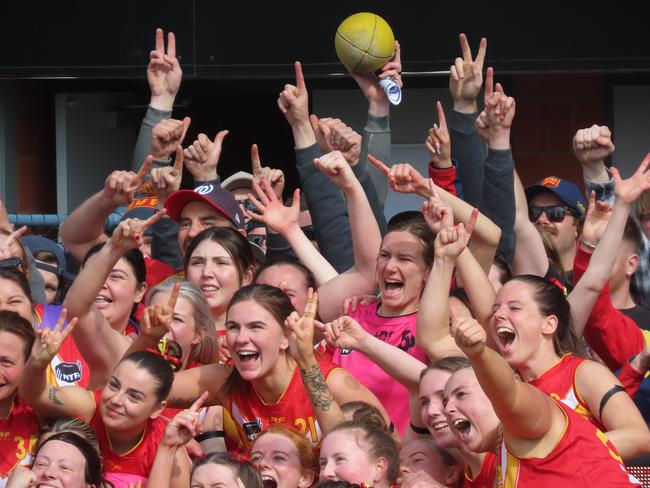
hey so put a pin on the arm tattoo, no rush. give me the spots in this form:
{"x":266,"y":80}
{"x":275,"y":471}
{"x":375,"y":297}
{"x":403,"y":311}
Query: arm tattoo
{"x":53,"y":398}
{"x":317,"y":389}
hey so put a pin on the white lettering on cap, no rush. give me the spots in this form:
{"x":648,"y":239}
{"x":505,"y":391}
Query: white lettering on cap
{"x":204,"y":189}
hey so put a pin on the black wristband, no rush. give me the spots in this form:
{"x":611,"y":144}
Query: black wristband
{"x":211,"y":434}
{"x":420,"y":430}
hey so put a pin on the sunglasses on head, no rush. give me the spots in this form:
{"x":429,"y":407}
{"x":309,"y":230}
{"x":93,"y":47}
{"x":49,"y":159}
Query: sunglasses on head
{"x":257,"y":239}
{"x":554,"y":213}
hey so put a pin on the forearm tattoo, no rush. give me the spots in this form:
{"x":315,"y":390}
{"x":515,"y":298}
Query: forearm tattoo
{"x":53,"y":398}
{"x":317,"y":389}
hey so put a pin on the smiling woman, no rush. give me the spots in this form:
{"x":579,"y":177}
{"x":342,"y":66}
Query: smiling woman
{"x":126,"y":409}
{"x":272,"y":364}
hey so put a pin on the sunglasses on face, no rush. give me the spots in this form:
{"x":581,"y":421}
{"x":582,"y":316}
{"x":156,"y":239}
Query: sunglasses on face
{"x":554,"y":213}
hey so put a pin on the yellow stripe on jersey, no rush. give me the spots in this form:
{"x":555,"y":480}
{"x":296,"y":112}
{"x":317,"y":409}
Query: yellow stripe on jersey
{"x":507,"y":472}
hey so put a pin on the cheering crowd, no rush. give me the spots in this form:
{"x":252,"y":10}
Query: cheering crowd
{"x":240,"y":335}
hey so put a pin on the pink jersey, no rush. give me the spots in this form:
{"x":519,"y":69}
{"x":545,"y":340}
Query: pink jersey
{"x":396,"y":331}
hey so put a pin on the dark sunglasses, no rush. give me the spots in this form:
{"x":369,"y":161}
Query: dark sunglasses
{"x":248,"y":205}
{"x":554,"y":213}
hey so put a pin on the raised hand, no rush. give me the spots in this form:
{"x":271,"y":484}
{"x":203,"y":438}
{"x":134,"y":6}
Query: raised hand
{"x":164,"y":72}
{"x":593,"y":144}
{"x":294,"y":100}
{"x":21,"y":477}
{"x":185,"y":425}
{"x":369,"y":83}
{"x":167,"y":180}
{"x":202,"y":157}
{"x":9,"y":247}
{"x":157,"y":319}
{"x":499,"y":107}
{"x":301,"y":337}
{"x":167,"y":135}
{"x":404,"y":178}
{"x":452,"y":241}
{"x":271,"y":210}
{"x":629,"y":190}
{"x":128,"y":234}
{"x":337,"y":169}
{"x":49,"y":341}
{"x":466,"y":76}
{"x":438,"y":141}
{"x":121,"y":186}
{"x":469,"y":335}
{"x":344,"y":333}
{"x":436,"y":213}
{"x":334,"y":135}
{"x":598,"y":214}
{"x":274,"y":176}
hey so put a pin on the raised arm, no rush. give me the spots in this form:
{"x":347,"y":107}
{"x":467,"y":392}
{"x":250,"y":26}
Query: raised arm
{"x":591,"y":146}
{"x":346,"y":333}
{"x":465,"y":82}
{"x":102,"y":345}
{"x":50,"y":401}
{"x":324,"y":200}
{"x":171,"y":466}
{"x":284,"y":221}
{"x":366,"y":239}
{"x":530,"y":255}
{"x":376,"y":133}
{"x":301,"y":345}
{"x":403,"y":178}
{"x":497,"y":196}
{"x":432,"y":331}
{"x":84,"y":227}
{"x":524,"y":411}
{"x":164,"y":75}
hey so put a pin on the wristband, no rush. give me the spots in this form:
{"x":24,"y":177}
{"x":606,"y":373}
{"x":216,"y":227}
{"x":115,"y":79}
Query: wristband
{"x":211,"y":434}
{"x":420,"y":430}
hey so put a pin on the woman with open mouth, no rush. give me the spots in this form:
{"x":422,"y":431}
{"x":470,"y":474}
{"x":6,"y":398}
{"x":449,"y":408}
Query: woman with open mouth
{"x":489,"y":409}
{"x":397,"y":265}
{"x":284,"y":458}
{"x":269,"y":369}
{"x":125,"y":414}
{"x":531,"y":326}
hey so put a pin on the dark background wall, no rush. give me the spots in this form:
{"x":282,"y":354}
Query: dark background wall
{"x":562,"y":64}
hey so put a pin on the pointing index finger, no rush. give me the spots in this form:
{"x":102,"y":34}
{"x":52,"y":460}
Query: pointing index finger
{"x":300,"y":78}
{"x":378,"y":164}
{"x":471,"y":222}
{"x":173,"y":297}
{"x":196,"y":406}
{"x":143,"y":171}
{"x":489,"y":82}
{"x":178,"y":161}
{"x":154,"y":218}
{"x":160,"y":42}
{"x":442,"y":120}
{"x":255,"y":160}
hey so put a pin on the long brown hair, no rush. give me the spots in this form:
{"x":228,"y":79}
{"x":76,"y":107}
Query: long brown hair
{"x":274,"y":301}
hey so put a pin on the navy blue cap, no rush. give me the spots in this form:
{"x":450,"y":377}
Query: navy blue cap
{"x":563,"y":189}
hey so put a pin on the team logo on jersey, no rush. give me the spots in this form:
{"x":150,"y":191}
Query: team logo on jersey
{"x":346,"y":352}
{"x":252,"y":429}
{"x":68,"y":372}
{"x":407,"y":342}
